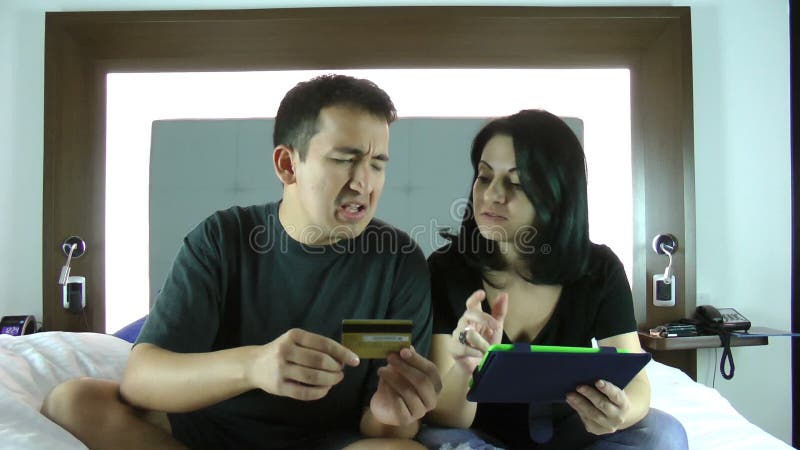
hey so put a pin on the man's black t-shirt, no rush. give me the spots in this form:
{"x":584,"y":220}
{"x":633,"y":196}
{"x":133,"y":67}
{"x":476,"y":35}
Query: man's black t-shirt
{"x":239,"y":279}
{"x":599,"y":305}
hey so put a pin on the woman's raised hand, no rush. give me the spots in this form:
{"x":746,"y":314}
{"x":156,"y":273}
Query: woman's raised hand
{"x":476,"y":330}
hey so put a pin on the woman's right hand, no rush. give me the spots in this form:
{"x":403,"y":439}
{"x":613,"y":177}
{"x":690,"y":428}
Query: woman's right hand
{"x":480,"y":330}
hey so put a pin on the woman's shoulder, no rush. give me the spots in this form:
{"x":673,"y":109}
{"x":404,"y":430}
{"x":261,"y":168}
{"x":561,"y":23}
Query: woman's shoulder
{"x":601,"y":253}
{"x":448,"y":256}
{"x":603,"y":262}
{"x":445,"y":255}
{"x":447,"y":261}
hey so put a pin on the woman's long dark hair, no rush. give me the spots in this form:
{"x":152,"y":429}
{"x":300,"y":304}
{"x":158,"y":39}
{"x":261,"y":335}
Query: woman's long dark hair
{"x":552,"y":171}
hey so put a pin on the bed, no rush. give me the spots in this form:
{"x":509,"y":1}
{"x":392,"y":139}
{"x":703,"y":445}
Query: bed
{"x":33,"y":364}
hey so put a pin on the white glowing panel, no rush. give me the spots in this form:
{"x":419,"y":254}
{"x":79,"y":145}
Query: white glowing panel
{"x":599,"y":97}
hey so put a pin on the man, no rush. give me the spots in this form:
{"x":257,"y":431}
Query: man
{"x":240,"y":349}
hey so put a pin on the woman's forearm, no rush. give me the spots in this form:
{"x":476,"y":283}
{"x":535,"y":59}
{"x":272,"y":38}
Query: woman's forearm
{"x":452,"y":408}
{"x":638,"y":392}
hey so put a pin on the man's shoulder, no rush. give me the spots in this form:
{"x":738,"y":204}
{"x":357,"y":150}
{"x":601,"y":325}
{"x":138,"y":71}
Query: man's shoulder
{"x":237,"y":216}
{"x":381,"y":225}
{"x":230,"y":226}
{"x":243,"y":213}
{"x":385,"y":234}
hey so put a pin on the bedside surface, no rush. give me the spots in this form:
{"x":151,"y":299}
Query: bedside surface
{"x":694,"y":342}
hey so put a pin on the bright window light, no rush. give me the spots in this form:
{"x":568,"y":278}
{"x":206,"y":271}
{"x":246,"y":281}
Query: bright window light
{"x":600,"y":97}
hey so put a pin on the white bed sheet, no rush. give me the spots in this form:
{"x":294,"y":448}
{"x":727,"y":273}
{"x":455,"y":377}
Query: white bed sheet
{"x":711,"y":422}
{"x":32,"y":365}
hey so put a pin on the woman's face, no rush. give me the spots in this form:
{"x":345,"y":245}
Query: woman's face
{"x":502,"y":210}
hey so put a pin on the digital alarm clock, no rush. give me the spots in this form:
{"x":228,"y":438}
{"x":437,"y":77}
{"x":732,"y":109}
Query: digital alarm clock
{"x":17,"y":325}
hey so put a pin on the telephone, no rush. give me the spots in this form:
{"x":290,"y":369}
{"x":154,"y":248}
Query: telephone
{"x":727,"y":319}
{"x":722,"y":322}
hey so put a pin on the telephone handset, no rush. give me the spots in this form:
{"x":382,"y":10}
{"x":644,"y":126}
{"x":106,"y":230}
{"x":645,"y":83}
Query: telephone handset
{"x":727,"y":319}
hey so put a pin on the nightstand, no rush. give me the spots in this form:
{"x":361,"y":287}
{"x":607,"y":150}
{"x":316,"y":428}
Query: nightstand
{"x":652,"y":343}
{"x":681,"y":352}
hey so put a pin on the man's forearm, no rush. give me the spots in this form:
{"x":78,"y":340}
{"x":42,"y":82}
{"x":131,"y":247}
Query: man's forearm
{"x":161,"y":380}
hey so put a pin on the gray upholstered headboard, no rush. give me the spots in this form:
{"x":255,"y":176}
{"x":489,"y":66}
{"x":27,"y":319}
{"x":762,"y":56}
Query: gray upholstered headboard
{"x":201,"y":166}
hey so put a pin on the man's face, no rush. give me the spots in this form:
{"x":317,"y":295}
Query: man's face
{"x":338,"y":185}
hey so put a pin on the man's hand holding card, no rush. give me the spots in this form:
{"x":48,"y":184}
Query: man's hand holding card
{"x":408,"y":376}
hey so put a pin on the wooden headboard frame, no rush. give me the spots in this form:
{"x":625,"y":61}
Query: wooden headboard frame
{"x":82,"y":47}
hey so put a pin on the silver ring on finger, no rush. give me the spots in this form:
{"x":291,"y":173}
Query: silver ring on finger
{"x":462,"y":336}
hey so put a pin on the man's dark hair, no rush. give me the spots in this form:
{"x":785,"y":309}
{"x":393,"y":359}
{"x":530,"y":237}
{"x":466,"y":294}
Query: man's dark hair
{"x":296,"y":121}
{"x":552,"y":171}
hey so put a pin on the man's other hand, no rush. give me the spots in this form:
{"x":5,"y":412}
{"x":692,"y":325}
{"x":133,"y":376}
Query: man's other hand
{"x":407,"y":388}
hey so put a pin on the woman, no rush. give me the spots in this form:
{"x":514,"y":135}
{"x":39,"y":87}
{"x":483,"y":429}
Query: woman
{"x":523,"y":262}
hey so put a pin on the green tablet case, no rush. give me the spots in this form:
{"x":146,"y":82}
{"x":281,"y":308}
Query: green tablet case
{"x":522,"y":373}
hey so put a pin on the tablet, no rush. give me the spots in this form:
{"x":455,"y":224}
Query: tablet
{"x":522,"y":373}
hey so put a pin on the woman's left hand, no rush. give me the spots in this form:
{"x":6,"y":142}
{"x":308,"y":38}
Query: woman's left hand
{"x":602,"y":407}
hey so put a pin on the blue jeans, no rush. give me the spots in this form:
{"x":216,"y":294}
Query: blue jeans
{"x":657,"y":431}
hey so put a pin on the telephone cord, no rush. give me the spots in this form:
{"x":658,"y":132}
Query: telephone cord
{"x":727,"y":356}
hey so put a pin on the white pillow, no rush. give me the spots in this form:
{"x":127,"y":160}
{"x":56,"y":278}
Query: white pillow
{"x":32,"y":365}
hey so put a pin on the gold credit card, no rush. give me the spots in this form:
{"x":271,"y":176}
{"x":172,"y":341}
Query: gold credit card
{"x":374,"y":339}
